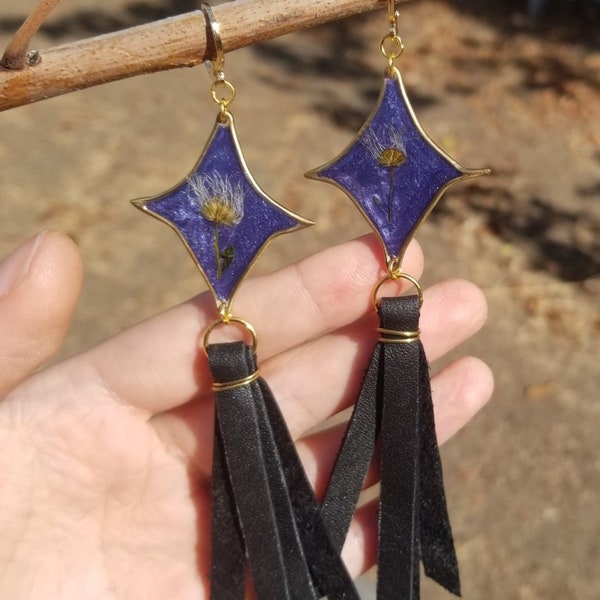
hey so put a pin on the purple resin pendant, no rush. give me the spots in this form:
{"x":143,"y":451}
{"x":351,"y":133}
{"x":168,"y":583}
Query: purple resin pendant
{"x":221,"y":214}
{"x":393,"y":171}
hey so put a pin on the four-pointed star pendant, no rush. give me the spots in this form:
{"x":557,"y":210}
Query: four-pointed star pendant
{"x":223,"y":217}
{"x":393,"y":171}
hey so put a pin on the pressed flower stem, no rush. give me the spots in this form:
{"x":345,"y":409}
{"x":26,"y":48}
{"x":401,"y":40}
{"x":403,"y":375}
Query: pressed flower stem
{"x":391,"y":197}
{"x":217,"y":251}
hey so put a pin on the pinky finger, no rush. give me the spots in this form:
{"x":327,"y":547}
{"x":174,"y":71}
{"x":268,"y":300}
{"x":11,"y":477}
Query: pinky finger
{"x":360,"y":549}
{"x":460,"y":391}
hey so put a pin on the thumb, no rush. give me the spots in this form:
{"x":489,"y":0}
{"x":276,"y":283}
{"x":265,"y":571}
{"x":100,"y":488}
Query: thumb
{"x":39,"y":287}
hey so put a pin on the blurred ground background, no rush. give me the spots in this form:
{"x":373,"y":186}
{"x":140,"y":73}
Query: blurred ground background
{"x":494,"y":89}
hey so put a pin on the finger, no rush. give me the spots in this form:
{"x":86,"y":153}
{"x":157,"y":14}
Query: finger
{"x":39,"y":286}
{"x":322,"y":377}
{"x":360,"y":549}
{"x":459,"y":392}
{"x":156,"y":365}
{"x":453,"y":310}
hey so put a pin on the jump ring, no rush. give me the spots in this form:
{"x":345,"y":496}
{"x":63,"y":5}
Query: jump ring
{"x":229,"y":321}
{"x":394,"y":277}
{"x":391,"y":46}
{"x":223,"y":92}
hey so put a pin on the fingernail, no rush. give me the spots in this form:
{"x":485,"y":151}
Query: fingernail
{"x":15,"y":266}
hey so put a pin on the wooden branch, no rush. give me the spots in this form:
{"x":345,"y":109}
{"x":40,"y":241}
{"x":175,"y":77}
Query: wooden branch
{"x":15,"y":56}
{"x":168,"y":44}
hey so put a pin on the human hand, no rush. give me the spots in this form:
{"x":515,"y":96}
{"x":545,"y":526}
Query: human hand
{"x":106,"y":457}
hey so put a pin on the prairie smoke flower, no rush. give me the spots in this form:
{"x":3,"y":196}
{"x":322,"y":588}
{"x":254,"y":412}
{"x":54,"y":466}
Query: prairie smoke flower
{"x":389,"y":152}
{"x":221,"y":202}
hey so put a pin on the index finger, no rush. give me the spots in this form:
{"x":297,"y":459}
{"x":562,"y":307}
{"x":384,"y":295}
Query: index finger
{"x":156,"y":365}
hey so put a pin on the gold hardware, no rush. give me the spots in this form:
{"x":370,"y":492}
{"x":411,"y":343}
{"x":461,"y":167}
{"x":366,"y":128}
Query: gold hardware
{"x":392,"y":15}
{"x":218,"y":62}
{"x":227,"y":319}
{"x":222,"y":91}
{"x":394,"y":275}
{"x":391,"y":45}
{"x":234,"y":385}
{"x":391,"y":336}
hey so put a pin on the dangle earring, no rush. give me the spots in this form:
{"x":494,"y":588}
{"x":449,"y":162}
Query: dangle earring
{"x":395,"y":175}
{"x":263,"y":507}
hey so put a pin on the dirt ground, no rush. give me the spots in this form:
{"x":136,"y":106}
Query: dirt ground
{"x":495,"y":90}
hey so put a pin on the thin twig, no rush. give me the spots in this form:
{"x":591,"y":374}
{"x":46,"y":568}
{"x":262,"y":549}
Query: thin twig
{"x":15,"y":55}
{"x":168,"y":44}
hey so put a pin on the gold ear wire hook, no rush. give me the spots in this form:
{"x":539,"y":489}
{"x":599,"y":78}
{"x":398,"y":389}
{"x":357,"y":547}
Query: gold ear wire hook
{"x":218,"y":62}
{"x":391,"y":45}
{"x":222,"y":91}
{"x":393,"y":17}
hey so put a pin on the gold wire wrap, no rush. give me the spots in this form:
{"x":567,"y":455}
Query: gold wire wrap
{"x":227,"y":319}
{"x":390,"y":336}
{"x":234,"y":385}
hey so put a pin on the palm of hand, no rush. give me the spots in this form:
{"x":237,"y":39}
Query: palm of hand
{"x":105,"y":458}
{"x":96,"y":503}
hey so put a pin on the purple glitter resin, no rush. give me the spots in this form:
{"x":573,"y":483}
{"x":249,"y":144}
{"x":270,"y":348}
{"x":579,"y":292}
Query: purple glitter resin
{"x":221,"y":214}
{"x":392,"y":171}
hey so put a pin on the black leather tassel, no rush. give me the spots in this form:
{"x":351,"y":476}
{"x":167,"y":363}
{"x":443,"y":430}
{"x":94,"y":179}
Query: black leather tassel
{"x":395,"y":407}
{"x":264,"y":508}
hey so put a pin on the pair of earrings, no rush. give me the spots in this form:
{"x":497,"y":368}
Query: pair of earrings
{"x":264,"y":509}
